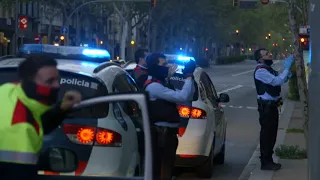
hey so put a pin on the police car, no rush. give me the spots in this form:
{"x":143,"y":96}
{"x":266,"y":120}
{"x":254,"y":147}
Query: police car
{"x":105,"y":136}
{"x":202,"y":131}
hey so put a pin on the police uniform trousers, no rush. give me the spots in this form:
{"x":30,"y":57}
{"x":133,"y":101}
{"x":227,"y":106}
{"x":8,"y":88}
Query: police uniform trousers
{"x":164,"y":146}
{"x":15,"y":171}
{"x":269,"y":119}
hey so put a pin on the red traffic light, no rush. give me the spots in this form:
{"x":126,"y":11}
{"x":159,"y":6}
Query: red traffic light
{"x":207,"y":49}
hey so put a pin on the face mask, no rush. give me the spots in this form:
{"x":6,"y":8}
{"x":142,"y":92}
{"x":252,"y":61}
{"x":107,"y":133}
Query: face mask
{"x":159,"y":72}
{"x":43,"y":94}
{"x":268,"y":62}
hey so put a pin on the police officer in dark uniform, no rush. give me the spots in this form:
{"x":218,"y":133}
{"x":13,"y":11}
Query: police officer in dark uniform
{"x":140,"y":72}
{"x":163,"y":111}
{"x":268,"y":85}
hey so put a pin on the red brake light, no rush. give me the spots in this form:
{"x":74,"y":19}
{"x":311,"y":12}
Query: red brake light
{"x":87,"y":135}
{"x":181,"y":131}
{"x":192,"y":112}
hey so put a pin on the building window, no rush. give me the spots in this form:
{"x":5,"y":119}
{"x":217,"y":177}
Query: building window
{"x":27,"y":8}
{"x":10,"y":13}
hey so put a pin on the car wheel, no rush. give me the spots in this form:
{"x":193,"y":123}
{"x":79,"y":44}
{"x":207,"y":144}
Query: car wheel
{"x":219,"y":159}
{"x":206,"y":169}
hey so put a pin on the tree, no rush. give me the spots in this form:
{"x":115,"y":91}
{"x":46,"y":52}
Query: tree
{"x":299,"y":62}
{"x":50,"y":10}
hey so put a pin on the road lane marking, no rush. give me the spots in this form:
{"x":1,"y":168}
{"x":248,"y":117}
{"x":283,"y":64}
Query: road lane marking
{"x":239,"y":107}
{"x":245,"y":72}
{"x":230,"y":89}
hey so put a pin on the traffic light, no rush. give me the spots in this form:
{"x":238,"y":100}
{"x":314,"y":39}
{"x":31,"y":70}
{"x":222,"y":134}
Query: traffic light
{"x":304,"y":42}
{"x":237,"y":32}
{"x":269,"y":36}
{"x":235,"y":3}
{"x":62,"y":39}
{"x":207,"y":49}
{"x":153,"y":3}
{"x":242,"y":50}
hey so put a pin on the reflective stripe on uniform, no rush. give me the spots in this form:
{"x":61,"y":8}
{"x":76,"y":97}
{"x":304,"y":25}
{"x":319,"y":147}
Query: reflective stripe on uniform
{"x":18,"y":157}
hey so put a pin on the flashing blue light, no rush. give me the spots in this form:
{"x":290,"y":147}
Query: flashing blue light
{"x":87,"y":64}
{"x":185,"y":58}
{"x":96,"y":53}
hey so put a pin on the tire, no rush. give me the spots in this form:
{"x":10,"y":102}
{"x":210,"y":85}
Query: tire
{"x":206,"y":169}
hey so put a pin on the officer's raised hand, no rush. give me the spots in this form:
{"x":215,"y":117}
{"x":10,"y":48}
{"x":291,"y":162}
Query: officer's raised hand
{"x":189,"y":69}
{"x":70,"y":98}
{"x":172,"y":70}
{"x":288,"y":62}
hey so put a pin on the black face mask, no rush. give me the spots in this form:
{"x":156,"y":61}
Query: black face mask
{"x":268,"y":62}
{"x":42,"y":94}
{"x":159,"y":72}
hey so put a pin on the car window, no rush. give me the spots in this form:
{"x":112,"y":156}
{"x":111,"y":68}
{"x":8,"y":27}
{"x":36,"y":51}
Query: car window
{"x":212,"y":87}
{"x":122,"y":84}
{"x":89,"y":87}
{"x":208,"y":90}
{"x":177,"y":81}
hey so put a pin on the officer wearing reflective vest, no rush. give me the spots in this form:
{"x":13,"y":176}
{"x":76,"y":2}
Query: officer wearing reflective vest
{"x":163,"y":111}
{"x":268,"y":85}
{"x":27,"y":113}
{"x":140,"y":72}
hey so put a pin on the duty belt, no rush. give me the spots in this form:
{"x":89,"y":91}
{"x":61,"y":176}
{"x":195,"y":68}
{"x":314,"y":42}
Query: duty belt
{"x":277,"y":103}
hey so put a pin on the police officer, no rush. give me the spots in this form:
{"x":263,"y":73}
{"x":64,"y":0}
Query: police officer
{"x":27,"y":113}
{"x":163,"y":111}
{"x":268,"y":85}
{"x":140,"y":72}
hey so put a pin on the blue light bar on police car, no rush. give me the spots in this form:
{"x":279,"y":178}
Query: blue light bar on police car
{"x":96,"y":53}
{"x":185,"y":58}
{"x":64,"y":50}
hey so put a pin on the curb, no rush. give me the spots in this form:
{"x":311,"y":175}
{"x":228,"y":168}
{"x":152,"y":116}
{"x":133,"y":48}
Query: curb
{"x":252,"y":170}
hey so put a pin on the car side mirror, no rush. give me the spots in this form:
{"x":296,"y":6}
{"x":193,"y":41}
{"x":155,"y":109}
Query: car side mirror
{"x":224,"y":98}
{"x":58,"y":160}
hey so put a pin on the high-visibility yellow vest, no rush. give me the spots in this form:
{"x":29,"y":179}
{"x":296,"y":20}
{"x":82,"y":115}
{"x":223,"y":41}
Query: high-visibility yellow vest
{"x":21,"y":134}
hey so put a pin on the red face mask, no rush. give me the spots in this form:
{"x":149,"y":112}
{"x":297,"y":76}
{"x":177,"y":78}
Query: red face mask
{"x":42,"y":94}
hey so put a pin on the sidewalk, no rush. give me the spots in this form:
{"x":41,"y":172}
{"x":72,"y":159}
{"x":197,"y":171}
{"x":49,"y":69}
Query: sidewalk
{"x":291,"y":118}
{"x":294,"y":169}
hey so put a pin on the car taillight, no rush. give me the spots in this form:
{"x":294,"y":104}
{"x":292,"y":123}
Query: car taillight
{"x":192,"y":112}
{"x":87,"y":135}
{"x":181,"y":131}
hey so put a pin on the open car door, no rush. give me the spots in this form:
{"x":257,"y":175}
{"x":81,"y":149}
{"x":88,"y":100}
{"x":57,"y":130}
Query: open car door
{"x":57,"y":159}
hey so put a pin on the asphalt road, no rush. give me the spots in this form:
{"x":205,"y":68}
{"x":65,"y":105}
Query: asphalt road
{"x":242,"y":116}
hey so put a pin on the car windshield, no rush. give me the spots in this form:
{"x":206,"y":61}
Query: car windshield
{"x":88,"y":87}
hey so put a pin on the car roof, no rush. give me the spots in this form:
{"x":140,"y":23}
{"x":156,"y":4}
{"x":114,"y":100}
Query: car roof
{"x":74,"y":66}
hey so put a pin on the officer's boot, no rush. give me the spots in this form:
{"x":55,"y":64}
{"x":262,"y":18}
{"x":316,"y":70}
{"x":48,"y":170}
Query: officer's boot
{"x":268,"y":164}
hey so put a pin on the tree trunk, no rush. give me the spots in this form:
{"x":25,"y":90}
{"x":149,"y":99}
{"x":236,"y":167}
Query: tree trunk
{"x":49,"y":32}
{"x":300,"y":69}
{"x":154,"y":33}
{"x":123,"y":42}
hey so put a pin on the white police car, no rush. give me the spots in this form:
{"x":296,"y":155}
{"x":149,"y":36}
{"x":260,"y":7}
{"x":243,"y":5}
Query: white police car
{"x":202,"y":131}
{"x":105,"y":136}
